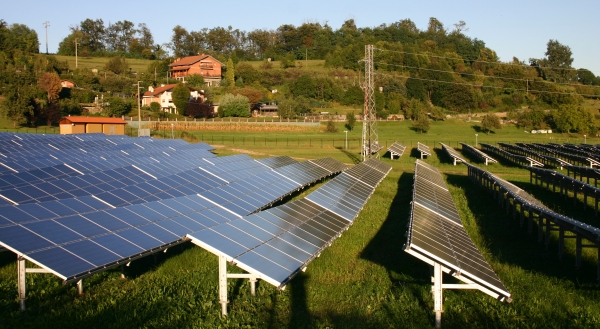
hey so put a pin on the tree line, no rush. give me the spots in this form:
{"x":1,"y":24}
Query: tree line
{"x":436,"y":71}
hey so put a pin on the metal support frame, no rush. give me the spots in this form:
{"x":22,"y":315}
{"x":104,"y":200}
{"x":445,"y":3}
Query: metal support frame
{"x":223,"y":276}
{"x":22,"y":271}
{"x":438,"y":290}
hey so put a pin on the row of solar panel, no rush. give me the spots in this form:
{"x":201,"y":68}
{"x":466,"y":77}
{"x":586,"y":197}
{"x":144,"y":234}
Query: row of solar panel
{"x":77,"y":244}
{"x":277,"y":243}
{"x":12,"y":165}
{"x":107,"y":181}
{"x":436,"y":232}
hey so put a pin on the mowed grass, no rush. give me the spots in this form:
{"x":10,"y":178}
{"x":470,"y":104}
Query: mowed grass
{"x":363,"y":280}
{"x":86,"y":62}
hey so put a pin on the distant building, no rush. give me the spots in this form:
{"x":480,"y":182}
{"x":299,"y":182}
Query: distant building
{"x":67,"y":83}
{"x":87,"y":125}
{"x":163,"y":96}
{"x":204,"y":65}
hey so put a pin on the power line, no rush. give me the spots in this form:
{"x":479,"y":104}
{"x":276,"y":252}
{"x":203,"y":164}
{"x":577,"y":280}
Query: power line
{"x":480,"y":61}
{"x":486,"y":76}
{"x":491,"y":87}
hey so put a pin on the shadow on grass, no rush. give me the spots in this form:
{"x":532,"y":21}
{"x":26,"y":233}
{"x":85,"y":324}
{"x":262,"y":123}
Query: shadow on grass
{"x":352,"y":156}
{"x":512,"y":244}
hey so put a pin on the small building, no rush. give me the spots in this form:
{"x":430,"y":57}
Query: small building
{"x":67,"y":84}
{"x":88,"y":125}
{"x":163,"y":96}
{"x":205,"y":65}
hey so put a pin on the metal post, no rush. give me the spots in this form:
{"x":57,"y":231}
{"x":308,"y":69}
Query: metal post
{"x":223,"y":284}
{"x":253,"y":285}
{"x":172,"y":131}
{"x":80,"y":287}
{"x":346,"y":131}
{"x":437,"y":294}
{"x":21,"y":281}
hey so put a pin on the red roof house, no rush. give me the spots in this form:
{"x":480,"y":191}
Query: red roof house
{"x":204,"y":65}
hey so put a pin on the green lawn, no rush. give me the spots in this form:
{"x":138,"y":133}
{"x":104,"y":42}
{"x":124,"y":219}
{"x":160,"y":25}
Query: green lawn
{"x":363,"y":280}
{"x":136,"y":64}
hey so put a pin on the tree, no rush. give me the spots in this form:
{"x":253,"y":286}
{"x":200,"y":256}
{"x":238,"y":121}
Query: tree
{"x":490,"y":121}
{"x":195,"y":81}
{"x":331,"y":128}
{"x":155,"y":108}
{"x":586,"y":77}
{"x":50,"y":83}
{"x":421,"y":123}
{"x":559,"y":59}
{"x":180,"y":96}
{"x":116,"y":107}
{"x":234,"y":106}
{"x":350,"y":121}
{"x":230,"y":73}
{"x":117,"y":65}
{"x":303,"y":86}
{"x":574,"y":118}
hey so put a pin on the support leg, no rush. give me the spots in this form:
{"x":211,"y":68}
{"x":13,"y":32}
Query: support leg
{"x":223,"y":284}
{"x":437,"y":294}
{"x":122,"y":272}
{"x":80,"y":287}
{"x":21,"y":281}
{"x":578,"y":248}
{"x":253,"y":286}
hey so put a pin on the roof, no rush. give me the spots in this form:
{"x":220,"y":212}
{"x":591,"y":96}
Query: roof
{"x":92,"y":120}
{"x":193,"y":59}
{"x":160,"y":90}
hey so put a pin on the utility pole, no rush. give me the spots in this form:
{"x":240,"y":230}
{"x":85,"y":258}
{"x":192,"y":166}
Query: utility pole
{"x":46,"y":24}
{"x":76,"y":44}
{"x":139,"y":108}
{"x":370,"y":140}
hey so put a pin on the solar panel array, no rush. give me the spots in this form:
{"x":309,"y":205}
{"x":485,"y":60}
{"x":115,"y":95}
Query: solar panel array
{"x":275,"y":244}
{"x":453,"y":153}
{"x":436,"y":234}
{"x":473,"y":150}
{"x":112,"y":212}
{"x":396,"y":149}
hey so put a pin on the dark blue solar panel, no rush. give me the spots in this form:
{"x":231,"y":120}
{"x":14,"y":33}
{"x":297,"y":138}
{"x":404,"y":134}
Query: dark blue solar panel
{"x":106,"y":221}
{"x":127,"y":216}
{"x":92,"y":252}
{"x":81,"y":225}
{"x":145,"y":212}
{"x":22,"y":240}
{"x":52,"y":231}
{"x":118,"y":245}
{"x":76,"y":205}
{"x":37,"y":211}
{"x":60,"y":261}
{"x":174,"y":228}
{"x":58,"y":208}
{"x":188,"y":223}
{"x":159,"y":233}
{"x":140,"y":239}
{"x":15,"y":214}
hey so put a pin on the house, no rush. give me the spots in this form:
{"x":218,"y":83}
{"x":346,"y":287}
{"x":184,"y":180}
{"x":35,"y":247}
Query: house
{"x":86,"y":125}
{"x":162,"y":95}
{"x":67,"y":83}
{"x":204,"y":65}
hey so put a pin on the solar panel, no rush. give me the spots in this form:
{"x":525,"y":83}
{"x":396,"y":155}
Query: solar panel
{"x":453,"y":154}
{"x":276,"y":244}
{"x":486,"y":158}
{"x":423,"y":149}
{"x":437,"y":237}
{"x":396,"y":149}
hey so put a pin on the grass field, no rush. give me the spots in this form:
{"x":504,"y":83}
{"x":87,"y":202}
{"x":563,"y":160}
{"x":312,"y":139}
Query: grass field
{"x":136,"y":64}
{"x":363,"y":280}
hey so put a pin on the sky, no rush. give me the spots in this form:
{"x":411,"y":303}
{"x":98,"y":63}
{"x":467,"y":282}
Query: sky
{"x":511,"y":28}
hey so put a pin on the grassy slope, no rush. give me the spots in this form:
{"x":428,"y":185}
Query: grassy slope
{"x":137,"y":65}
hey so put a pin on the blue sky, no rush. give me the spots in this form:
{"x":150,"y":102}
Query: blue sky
{"x":511,"y":28}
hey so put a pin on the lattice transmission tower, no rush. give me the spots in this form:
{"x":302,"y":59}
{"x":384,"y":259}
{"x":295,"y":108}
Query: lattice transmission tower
{"x":370,"y":139}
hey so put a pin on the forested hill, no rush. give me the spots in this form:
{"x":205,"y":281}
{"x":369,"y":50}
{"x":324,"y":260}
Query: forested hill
{"x":439,"y":69}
